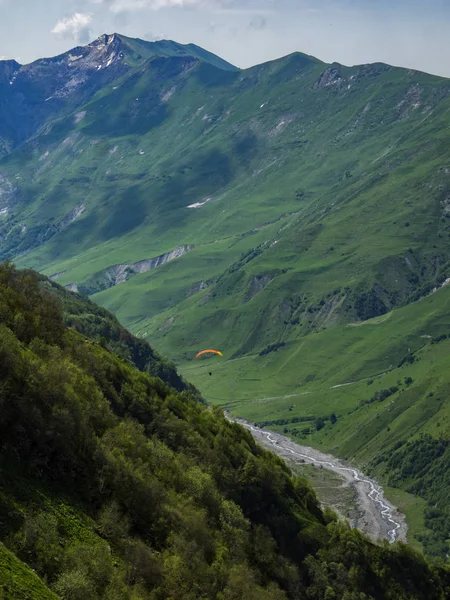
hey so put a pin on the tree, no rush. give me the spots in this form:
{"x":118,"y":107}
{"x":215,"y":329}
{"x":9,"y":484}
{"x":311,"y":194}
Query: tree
{"x":320,"y":423}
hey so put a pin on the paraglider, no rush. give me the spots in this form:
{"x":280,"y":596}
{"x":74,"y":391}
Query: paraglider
{"x":208,"y":352}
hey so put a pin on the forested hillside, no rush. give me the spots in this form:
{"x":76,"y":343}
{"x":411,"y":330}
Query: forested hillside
{"x":102,"y":327}
{"x":116,"y":486}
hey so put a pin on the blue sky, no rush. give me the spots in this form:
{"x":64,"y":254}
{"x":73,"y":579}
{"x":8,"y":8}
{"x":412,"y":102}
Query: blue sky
{"x":410,"y":33}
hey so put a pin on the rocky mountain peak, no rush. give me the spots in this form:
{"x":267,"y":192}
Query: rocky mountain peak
{"x":105,"y":40}
{"x":8,"y":68}
{"x":104,"y":52}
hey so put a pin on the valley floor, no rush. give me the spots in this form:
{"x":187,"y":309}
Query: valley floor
{"x":371,"y":513}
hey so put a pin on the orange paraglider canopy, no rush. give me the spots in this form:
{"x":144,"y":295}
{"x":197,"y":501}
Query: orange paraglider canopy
{"x":208,"y":352}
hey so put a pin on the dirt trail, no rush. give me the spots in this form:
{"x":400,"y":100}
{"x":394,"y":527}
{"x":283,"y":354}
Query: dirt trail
{"x":380,"y":519}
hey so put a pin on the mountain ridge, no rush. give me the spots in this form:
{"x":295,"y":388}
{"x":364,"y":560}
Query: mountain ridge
{"x":119,"y":41}
{"x":59,"y":84}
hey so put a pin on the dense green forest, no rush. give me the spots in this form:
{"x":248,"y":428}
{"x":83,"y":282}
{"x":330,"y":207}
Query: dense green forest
{"x":116,"y":486}
{"x":101,"y":326}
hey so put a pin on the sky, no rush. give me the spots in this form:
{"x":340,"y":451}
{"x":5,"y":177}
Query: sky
{"x":408,"y":33}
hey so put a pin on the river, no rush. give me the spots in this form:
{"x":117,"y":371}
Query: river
{"x":379,"y":517}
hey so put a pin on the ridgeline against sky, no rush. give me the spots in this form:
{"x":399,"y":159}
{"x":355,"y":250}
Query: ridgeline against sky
{"x":412,"y":34}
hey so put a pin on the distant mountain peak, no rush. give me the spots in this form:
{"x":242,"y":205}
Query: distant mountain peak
{"x":8,"y":68}
{"x":105,"y":40}
{"x":143,"y":49}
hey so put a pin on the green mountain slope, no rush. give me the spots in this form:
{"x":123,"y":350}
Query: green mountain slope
{"x":385,"y":380}
{"x":34,"y":95}
{"x":18,"y":581}
{"x":100,"y":326}
{"x":273,"y":212}
{"x":348,"y":165}
{"x":116,"y":486}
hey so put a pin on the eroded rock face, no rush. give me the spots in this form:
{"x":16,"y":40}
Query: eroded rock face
{"x":117,"y":274}
{"x":7,"y":193}
{"x":258,"y":283}
{"x":332,"y":76}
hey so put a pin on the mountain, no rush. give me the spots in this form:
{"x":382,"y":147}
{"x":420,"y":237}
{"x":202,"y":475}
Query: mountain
{"x":115,"y":486}
{"x":294,"y":215}
{"x":34,"y":95}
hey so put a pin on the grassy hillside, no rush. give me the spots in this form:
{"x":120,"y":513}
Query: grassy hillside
{"x":320,"y":151}
{"x":294,"y":215}
{"x":319,"y":196}
{"x":116,"y":486}
{"x":386,"y":382}
{"x":18,"y":581}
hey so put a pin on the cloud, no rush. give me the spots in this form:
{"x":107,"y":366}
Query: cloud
{"x":124,"y":5}
{"x":121,"y":19}
{"x":154,"y":37}
{"x":76,"y":27}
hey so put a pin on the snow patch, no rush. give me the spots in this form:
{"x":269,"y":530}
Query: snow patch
{"x":110,"y":61}
{"x":73,"y":59}
{"x":79,"y":116}
{"x":198,"y":204}
{"x":168,"y":95}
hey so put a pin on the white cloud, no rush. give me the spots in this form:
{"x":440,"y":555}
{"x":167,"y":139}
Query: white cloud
{"x":123,"y":5}
{"x":154,"y":37}
{"x":76,"y":27}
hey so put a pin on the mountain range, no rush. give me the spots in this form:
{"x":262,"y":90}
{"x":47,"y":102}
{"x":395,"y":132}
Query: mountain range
{"x":295,"y":215}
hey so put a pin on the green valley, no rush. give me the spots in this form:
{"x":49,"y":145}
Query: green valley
{"x":116,"y":486}
{"x":295,"y":215}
